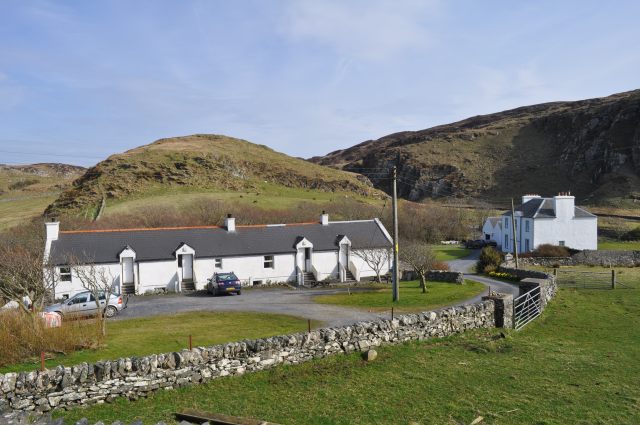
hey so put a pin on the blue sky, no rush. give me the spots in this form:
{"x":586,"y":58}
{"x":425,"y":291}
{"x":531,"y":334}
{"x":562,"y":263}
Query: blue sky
{"x":80,"y":80}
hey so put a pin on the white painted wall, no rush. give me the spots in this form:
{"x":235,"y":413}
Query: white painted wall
{"x":69,"y":289}
{"x":365,"y":270}
{"x":326,"y":264}
{"x":577,"y":233}
{"x":494,"y":232}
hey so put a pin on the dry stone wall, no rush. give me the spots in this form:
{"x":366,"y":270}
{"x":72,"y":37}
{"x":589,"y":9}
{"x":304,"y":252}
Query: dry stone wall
{"x":588,"y":258}
{"x":104,"y":381}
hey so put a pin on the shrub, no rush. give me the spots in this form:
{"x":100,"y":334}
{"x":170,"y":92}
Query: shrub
{"x":632,"y":235}
{"x":21,"y":184}
{"x":503,"y":275}
{"x":23,"y":337}
{"x":547,"y":250}
{"x":488,"y":257}
{"x":440,"y":265}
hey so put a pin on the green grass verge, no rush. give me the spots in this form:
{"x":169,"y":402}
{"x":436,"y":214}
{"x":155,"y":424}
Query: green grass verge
{"x":619,"y":245}
{"x":577,"y":364}
{"x":161,"y":334}
{"x":411,"y":297}
{"x":448,"y":252}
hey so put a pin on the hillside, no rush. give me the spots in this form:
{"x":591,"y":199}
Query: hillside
{"x":199,"y":163}
{"x":26,"y":190}
{"x":589,"y":147}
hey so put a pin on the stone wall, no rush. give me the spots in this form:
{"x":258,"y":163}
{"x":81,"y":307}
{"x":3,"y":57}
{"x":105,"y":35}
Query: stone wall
{"x":104,"y":381}
{"x":531,"y":278}
{"x":588,"y":258}
{"x":445,"y":276}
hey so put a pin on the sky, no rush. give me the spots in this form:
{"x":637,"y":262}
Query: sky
{"x":80,"y":80}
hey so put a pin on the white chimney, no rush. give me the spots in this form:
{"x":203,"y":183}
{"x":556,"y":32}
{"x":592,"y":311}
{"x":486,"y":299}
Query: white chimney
{"x":528,"y":197}
{"x":324,"y":218}
{"x":230,"y":223}
{"x":564,"y":205}
{"x":53,"y":230}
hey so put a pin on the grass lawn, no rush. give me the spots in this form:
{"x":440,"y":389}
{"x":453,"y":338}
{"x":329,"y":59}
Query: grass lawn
{"x":608,"y":244}
{"x":626,"y":276}
{"x":411,"y":297}
{"x":161,"y":334}
{"x":577,"y":364}
{"x":450,"y":252}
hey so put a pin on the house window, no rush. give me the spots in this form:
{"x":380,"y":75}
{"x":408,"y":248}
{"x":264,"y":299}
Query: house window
{"x":561,"y":243}
{"x":506,"y":241}
{"x":506,"y":222}
{"x":218,"y":264}
{"x":268,"y":261}
{"x":526,"y":225}
{"x":526,"y":245}
{"x":65,"y":274}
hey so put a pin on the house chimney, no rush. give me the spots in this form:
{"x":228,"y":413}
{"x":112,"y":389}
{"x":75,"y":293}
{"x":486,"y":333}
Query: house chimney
{"x":324,"y":218}
{"x":230,"y":223}
{"x":564,"y":205}
{"x":53,"y":230}
{"x":526,"y":198}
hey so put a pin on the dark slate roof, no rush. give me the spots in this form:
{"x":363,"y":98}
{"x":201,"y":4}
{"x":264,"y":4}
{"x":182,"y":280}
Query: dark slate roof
{"x":543,"y":208}
{"x":161,"y":244}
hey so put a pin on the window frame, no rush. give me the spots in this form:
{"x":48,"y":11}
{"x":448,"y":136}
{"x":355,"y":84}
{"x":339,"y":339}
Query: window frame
{"x":526,"y":226}
{"x":269,"y":262}
{"x":66,"y":275}
{"x":217,"y":263}
{"x":561,"y":243}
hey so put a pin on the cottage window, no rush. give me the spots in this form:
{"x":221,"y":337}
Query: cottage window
{"x":65,"y":274}
{"x":526,"y":225}
{"x":506,"y":222}
{"x":218,"y":264}
{"x":268,"y":261}
{"x":506,"y":241}
{"x":526,"y":245}
{"x":561,"y":243}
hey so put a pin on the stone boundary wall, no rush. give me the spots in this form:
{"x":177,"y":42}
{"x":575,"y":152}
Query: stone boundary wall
{"x":588,"y":258}
{"x":135,"y":377}
{"x":445,"y":276}
{"x":546,"y":281}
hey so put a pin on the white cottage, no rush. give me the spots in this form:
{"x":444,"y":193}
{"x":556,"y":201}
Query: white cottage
{"x":555,"y":221}
{"x":184,"y":258}
{"x":492,"y":230}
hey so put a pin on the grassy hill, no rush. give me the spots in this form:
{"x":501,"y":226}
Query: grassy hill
{"x":26,"y":190}
{"x":589,"y":147}
{"x":184,"y":169}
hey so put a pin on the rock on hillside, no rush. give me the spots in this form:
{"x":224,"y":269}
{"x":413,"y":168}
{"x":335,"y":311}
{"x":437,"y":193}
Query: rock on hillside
{"x":199,"y":162}
{"x":589,"y":147}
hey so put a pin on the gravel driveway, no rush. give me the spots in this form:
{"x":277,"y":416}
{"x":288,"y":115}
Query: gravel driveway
{"x":286,"y":301}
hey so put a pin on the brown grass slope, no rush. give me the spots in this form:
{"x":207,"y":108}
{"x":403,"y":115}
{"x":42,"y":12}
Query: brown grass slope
{"x":590,"y":147}
{"x":196,"y":163}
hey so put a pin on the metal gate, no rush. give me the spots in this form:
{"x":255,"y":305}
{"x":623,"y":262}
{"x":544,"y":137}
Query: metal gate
{"x":526,"y":308}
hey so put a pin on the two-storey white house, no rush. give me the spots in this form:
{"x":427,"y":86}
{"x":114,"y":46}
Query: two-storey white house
{"x":184,"y":258}
{"x":555,"y":221}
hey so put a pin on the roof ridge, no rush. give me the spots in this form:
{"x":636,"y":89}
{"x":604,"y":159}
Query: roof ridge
{"x":150,"y":229}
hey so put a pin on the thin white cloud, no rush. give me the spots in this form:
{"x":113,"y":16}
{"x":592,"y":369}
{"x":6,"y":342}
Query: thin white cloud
{"x":371,"y":30}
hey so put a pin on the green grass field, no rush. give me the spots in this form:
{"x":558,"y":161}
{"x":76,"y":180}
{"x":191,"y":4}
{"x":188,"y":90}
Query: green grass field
{"x":449,"y":252}
{"x":619,"y":245}
{"x":161,"y":334}
{"x":411,"y":297}
{"x":626,"y":276}
{"x":577,"y":364}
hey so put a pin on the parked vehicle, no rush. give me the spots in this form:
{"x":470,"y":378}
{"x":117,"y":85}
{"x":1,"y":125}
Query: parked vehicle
{"x":224,"y":283}
{"x":84,"y":304}
{"x":475,"y":244}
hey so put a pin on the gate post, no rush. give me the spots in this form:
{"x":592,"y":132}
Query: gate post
{"x":503,"y":309}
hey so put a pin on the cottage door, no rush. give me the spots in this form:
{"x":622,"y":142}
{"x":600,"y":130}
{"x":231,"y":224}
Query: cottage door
{"x":127,"y":270}
{"x":187,"y":267}
{"x":307,"y":259}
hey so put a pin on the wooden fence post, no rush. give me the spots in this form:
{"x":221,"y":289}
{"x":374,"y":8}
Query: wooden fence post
{"x":613,"y":279}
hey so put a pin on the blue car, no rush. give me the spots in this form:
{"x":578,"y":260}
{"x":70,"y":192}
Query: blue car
{"x":224,"y":283}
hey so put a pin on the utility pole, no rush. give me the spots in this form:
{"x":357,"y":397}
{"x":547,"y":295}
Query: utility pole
{"x":396,"y":280}
{"x":513,"y":229}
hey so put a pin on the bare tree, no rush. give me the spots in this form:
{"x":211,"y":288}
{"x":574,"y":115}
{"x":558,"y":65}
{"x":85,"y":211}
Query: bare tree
{"x":24,"y":272}
{"x":98,"y":281}
{"x":374,"y":258}
{"x":421,"y":259}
